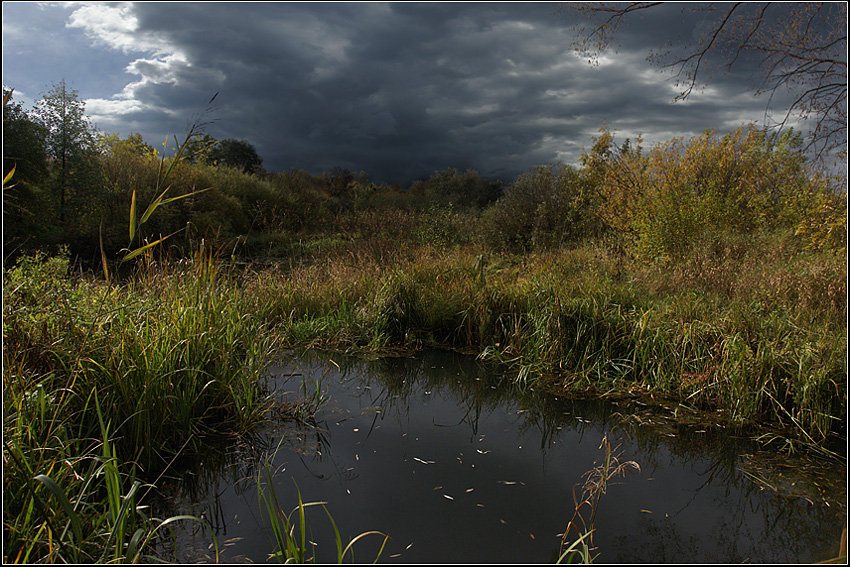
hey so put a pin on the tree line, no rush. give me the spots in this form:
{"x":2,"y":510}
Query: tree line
{"x":71,"y":185}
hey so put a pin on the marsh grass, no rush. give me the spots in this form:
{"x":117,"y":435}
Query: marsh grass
{"x":176,"y":353}
{"x":83,"y":505}
{"x":98,"y":373}
{"x":291,"y":529}
{"x":596,"y":483}
{"x":755,"y":328}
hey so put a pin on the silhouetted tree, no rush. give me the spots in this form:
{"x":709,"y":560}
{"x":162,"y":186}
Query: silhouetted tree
{"x":24,"y":149}
{"x":235,"y":153}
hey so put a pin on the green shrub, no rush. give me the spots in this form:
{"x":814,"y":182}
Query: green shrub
{"x":465,"y":190}
{"x":544,"y":207}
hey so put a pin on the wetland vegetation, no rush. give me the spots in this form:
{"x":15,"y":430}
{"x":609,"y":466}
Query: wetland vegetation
{"x":707,"y":276}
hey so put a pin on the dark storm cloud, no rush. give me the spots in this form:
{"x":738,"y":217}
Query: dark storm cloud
{"x":399,"y":90}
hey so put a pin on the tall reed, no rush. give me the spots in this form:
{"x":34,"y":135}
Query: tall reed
{"x":762,"y":343}
{"x":98,"y":373}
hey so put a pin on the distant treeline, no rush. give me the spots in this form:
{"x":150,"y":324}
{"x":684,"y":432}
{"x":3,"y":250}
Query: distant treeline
{"x":71,"y":186}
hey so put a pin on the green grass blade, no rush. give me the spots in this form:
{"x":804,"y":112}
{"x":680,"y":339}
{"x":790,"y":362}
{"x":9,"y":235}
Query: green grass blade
{"x":339,"y":553}
{"x":133,"y":216}
{"x":182,"y":517}
{"x":153,"y":206}
{"x":148,"y":246}
{"x":364,"y":534}
{"x":57,"y":491}
{"x":578,"y":547}
{"x":8,"y":176}
{"x":133,"y":546}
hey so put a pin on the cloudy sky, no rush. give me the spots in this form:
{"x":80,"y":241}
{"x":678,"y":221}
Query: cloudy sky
{"x":397,"y":90}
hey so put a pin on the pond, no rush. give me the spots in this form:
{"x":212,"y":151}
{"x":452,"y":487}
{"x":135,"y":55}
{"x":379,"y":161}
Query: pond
{"x":459,"y":465}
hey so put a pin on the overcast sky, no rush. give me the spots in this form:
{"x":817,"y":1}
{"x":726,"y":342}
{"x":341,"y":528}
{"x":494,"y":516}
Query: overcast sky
{"x":396,"y":90}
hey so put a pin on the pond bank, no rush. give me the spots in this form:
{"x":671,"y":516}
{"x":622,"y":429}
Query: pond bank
{"x":128,"y":377}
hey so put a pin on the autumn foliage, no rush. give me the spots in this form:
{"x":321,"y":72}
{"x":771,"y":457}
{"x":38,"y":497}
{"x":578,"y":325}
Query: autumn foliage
{"x":677,"y":194}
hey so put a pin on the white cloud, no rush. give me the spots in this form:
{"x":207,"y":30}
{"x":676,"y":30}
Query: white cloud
{"x":100,"y":108}
{"x":116,"y":27}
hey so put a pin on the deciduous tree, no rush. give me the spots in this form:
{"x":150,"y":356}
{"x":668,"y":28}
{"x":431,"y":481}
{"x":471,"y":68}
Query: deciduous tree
{"x":23,"y":143}
{"x":71,"y":142}
{"x":236,"y":153}
{"x":25,"y":158}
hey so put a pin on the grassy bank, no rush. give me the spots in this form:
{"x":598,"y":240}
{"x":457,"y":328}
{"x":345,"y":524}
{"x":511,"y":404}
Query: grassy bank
{"x":127,"y":377}
{"x":124,"y":378}
{"x":755,"y":328}
{"x":711,"y":273}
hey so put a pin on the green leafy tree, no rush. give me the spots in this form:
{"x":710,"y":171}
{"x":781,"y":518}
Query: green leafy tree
{"x":198,"y":148}
{"x":23,"y":143}
{"x":72,"y":148}
{"x":681,"y":192}
{"x":544,"y":207}
{"x":25,"y":163}
{"x":134,"y":144}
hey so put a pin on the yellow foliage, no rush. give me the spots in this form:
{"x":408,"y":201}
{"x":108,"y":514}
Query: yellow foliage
{"x":682,"y":190}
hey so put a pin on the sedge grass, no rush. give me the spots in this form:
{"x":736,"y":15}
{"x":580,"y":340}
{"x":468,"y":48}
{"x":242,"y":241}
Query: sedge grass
{"x":97,"y":373}
{"x":291,"y":529}
{"x":754,"y":342}
{"x":82,"y":507}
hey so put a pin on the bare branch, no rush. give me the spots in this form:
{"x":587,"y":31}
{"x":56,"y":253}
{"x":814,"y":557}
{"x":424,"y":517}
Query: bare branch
{"x":801,"y":46}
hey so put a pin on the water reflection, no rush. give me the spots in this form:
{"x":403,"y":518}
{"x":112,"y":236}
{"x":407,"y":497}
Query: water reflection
{"x":459,"y":464}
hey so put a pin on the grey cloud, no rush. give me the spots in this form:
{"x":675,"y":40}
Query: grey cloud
{"x":402,"y":90}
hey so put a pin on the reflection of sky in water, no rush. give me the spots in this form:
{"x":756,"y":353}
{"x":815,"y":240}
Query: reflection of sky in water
{"x":460,"y":474}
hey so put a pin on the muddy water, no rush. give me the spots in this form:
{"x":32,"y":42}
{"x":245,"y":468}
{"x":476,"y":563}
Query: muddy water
{"x":458,"y":465}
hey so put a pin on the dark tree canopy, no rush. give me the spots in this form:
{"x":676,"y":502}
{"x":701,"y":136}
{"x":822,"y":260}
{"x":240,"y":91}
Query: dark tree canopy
{"x":464,"y":189}
{"x":23,"y":143}
{"x":71,"y":142}
{"x":236,"y":153}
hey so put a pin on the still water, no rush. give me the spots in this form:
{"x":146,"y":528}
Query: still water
{"x":458,"y":465}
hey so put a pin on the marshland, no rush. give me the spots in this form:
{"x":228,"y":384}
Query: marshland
{"x":185,"y":316}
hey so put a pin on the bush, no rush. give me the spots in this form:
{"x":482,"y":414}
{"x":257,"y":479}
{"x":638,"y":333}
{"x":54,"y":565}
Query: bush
{"x":681,"y":192}
{"x":465,"y":190}
{"x":544,"y":207}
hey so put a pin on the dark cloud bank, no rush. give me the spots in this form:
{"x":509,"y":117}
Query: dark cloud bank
{"x":403,"y":90}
